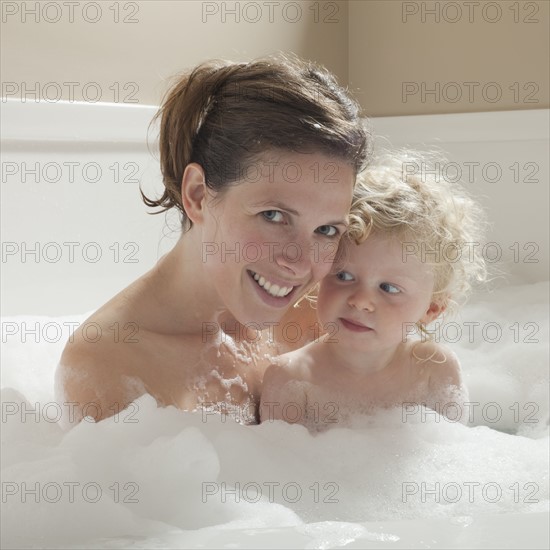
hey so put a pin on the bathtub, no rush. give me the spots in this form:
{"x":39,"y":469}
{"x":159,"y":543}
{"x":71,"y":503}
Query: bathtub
{"x":74,"y":232}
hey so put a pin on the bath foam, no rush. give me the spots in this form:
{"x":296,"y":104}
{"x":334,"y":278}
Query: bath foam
{"x":162,"y":477}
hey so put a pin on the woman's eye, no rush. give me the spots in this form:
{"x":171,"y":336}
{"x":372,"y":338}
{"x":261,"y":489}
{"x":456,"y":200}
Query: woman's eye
{"x":344,"y":276}
{"x":390,"y":289}
{"x":328,"y":230}
{"x":273,"y":215}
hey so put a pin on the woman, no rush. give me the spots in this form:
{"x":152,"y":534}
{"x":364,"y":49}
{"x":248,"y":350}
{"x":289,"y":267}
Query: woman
{"x":260,"y":158}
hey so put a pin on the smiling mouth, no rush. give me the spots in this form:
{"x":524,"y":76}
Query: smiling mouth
{"x":271,"y":288}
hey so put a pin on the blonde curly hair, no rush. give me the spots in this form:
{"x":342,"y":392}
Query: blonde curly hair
{"x":401,"y":195}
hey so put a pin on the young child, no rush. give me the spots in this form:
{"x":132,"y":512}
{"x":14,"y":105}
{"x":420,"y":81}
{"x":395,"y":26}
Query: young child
{"x":408,"y":255}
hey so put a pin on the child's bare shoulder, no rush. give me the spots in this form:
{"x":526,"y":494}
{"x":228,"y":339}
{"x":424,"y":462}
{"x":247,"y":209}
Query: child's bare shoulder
{"x":442,"y":379}
{"x":434,"y":359}
{"x":438,"y":362}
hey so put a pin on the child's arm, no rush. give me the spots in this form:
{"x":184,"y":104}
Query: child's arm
{"x":283,"y":396}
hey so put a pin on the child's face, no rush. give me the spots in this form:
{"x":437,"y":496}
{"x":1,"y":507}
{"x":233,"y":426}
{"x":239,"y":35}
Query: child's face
{"x":377,"y":295}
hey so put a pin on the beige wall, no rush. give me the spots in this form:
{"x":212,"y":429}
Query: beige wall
{"x":379,"y":47}
{"x":167,"y":37}
{"x":398,"y":47}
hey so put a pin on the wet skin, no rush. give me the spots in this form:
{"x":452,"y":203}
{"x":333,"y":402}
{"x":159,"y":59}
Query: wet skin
{"x":366,"y":362}
{"x":188,"y":326}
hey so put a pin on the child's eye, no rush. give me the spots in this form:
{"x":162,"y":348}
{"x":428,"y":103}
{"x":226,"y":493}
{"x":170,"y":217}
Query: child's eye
{"x":390,"y":289}
{"x":273,"y":215}
{"x":344,"y":276}
{"x":328,"y":230}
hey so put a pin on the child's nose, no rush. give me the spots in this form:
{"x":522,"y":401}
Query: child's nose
{"x":362,"y":299}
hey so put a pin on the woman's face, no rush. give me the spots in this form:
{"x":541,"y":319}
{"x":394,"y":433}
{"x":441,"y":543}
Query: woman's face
{"x":269,"y":238}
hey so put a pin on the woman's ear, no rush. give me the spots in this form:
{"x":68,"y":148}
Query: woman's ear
{"x":193,"y":192}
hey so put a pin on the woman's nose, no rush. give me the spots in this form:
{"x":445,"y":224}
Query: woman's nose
{"x":296,"y":257}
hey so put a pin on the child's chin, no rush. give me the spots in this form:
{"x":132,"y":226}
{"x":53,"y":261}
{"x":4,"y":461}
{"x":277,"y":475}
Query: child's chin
{"x":355,"y":345}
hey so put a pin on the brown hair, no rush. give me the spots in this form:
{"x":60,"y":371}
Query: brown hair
{"x":224,"y":115}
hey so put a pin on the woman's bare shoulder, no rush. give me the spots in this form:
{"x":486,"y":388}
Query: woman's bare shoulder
{"x":97,"y":370}
{"x":102,"y":362}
